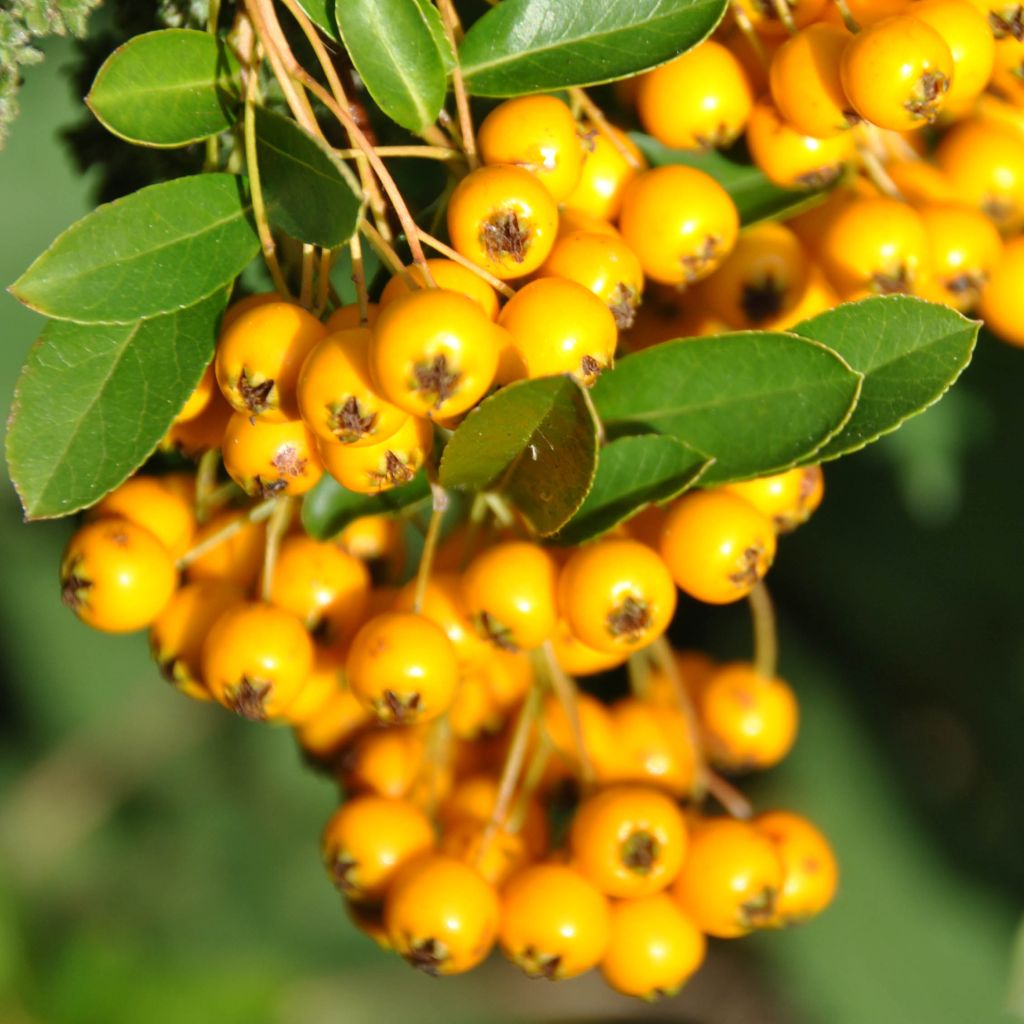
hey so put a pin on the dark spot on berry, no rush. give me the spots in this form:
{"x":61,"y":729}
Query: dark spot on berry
{"x":747,"y":573}
{"x":924,"y":100}
{"x":248,"y":699}
{"x":74,"y":591}
{"x":502,"y":236}
{"x":436,"y":378}
{"x":255,"y":397}
{"x":590,"y":368}
{"x":288,"y":462}
{"x":269,"y":488}
{"x":965,"y":286}
{"x":759,"y":909}
{"x":762,"y":300}
{"x":820,"y":177}
{"x":342,"y":871}
{"x":640,"y":852}
{"x":395,"y":472}
{"x":696,"y":263}
{"x":491,"y":629}
{"x":427,"y":955}
{"x":1008,"y":22}
{"x":587,"y":139}
{"x":401,"y":708}
{"x":348,"y":422}
{"x":537,"y":964}
{"x":624,"y":301}
{"x":892,"y":282}
{"x":631,"y":619}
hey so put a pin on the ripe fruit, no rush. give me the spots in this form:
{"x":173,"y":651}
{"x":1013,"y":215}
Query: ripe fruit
{"x":559,"y":326}
{"x":449,"y":275}
{"x":789,"y":498}
{"x":716,"y":546}
{"x":680,"y":223}
{"x":150,"y":502}
{"x":554,"y":923}
{"x":116,"y":576}
{"x":402,"y":668}
{"x":964,"y":246}
{"x":653,"y":746}
{"x":606,"y":172}
{"x":603,"y":264}
{"x":503,"y":219}
{"x":444,"y":606}
{"x":200,"y":397}
{"x":177,"y":635}
{"x":368,"y":839}
{"x":717,"y":104}
{"x":539,"y":134}
{"x":731,"y":878}
{"x":616,"y":595}
{"x":575,"y":658}
{"x":966,"y":32}
{"x":810,"y":872}
{"x":255,"y":660}
{"x":805,"y":81}
{"x":509,"y":592}
{"x":259,"y":355}
{"x":237,"y":557}
{"x":749,"y":722}
{"x":440,"y":915}
{"x":628,"y":840}
{"x":653,"y":948}
{"x":1002,"y":300}
{"x":496,"y":854}
{"x":434,"y":352}
{"x":379,"y":467}
{"x":384,"y":761}
{"x":896,"y":73}
{"x":271,"y":459}
{"x":337,"y":396}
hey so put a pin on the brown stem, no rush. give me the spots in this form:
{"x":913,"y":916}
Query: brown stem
{"x":323,"y":282}
{"x":457,"y":257}
{"x":595,"y":115}
{"x":440,"y":506}
{"x":359,"y":278}
{"x":847,"y":15}
{"x":256,"y":515}
{"x":744,"y":24}
{"x":735,"y":803}
{"x":385,"y":251}
{"x":565,"y":691}
{"x":766,"y":642}
{"x":453,"y":29}
{"x":306,"y":287}
{"x":280,"y":519}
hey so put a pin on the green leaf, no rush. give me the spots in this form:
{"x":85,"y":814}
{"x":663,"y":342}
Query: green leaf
{"x":155,"y":251}
{"x":329,"y":507}
{"x":166,"y":88}
{"x":94,"y":400}
{"x":396,"y":46}
{"x":535,"y":441}
{"x":909,"y":351}
{"x":756,"y":198}
{"x":321,"y":13}
{"x":525,"y":46}
{"x":633,"y":472}
{"x":755,"y":402}
{"x":310,"y":193}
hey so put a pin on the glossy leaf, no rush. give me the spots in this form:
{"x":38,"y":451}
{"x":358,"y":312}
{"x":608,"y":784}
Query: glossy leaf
{"x":321,"y":13}
{"x":329,"y":507}
{"x":755,"y":402}
{"x":167,"y":88}
{"x":398,"y":48}
{"x":756,"y":198}
{"x":310,"y":193}
{"x":155,"y":251}
{"x":525,"y":46}
{"x":536,"y":442}
{"x":633,"y":472}
{"x":94,"y":400}
{"x":910,"y":352}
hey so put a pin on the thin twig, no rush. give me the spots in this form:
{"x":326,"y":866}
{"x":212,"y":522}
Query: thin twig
{"x":785,"y":15}
{"x":256,"y":515}
{"x":306,"y":287}
{"x":280,"y":519}
{"x":744,"y":24}
{"x":206,"y":482}
{"x":355,"y":247}
{"x":452,"y":29}
{"x":565,"y":692}
{"x":323,"y":282}
{"x":457,"y":257}
{"x":420,"y":152}
{"x":440,"y":506}
{"x":735,"y":803}
{"x":847,"y":15}
{"x":595,"y":115}
{"x":766,"y":642}
{"x":382,"y":247}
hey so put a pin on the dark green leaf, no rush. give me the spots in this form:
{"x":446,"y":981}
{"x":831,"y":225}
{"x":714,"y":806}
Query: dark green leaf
{"x":155,"y":251}
{"x":166,"y":88}
{"x":909,"y":351}
{"x":755,"y":402}
{"x":525,"y":46}
{"x":756,"y":198}
{"x":329,"y":508}
{"x":93,"y":401}
{"x":396,"y":46}
{"x":321,"y":13}
{"x":310,"y":193}
{"x":633,"y":472}
{"x":535,"y":441}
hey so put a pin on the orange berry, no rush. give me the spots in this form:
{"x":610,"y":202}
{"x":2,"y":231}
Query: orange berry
{"x":346,"y":317}
{"x":237,"y":558}
{"x":606,"y":172}
{"x":449,"y":275}
{"x":271,"y":459}
{"x":788,"y":498}
{"x":149,"y":502}
{"x":809,"y":870}
{"x":965,"y":30}
{"x":444,"y":606}
{"x":379,"y":467}
{"x":200,"y":397}
{"x":964,"y":247}
{"x":653,"y":746}
{"x":1002,"y":299}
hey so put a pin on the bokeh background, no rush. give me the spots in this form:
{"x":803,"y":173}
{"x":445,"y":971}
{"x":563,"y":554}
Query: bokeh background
{"x":159,"y":862}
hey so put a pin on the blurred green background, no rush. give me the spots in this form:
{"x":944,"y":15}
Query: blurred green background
{"x":158,"y":861}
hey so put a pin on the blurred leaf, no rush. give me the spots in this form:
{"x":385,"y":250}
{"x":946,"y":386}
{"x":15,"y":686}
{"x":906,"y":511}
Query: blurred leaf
{"x":909,"y":351}
{"x":755,"y":402}
{"x":93,"y":401}
{"x":756,"y":198}
{"x":329,"y":507}
{"x":633,"y":472}
{"x":310,"y":193}
{"x":526,"y":46}
{"x":398,"y":48}
{"x":321,"y":13}
{"x":155,"y":251}
{"x":536,"y":442}
{"x":166,"y":88}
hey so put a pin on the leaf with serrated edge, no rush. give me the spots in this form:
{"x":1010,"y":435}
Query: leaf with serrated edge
{"x":395,"y":46}
{"x":329,"y":507}
{"x":756,"y":402}
{"x":526,"y":46}
{"x":756,"y":198}
{"x":166,"y":88}
{"x":94,"y":400}
{"x":910,"y":351}
{"x":536,"y":442}
{"x":310,"y":193}
{"x":632,"y":473}
{"x":155,"y":251}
